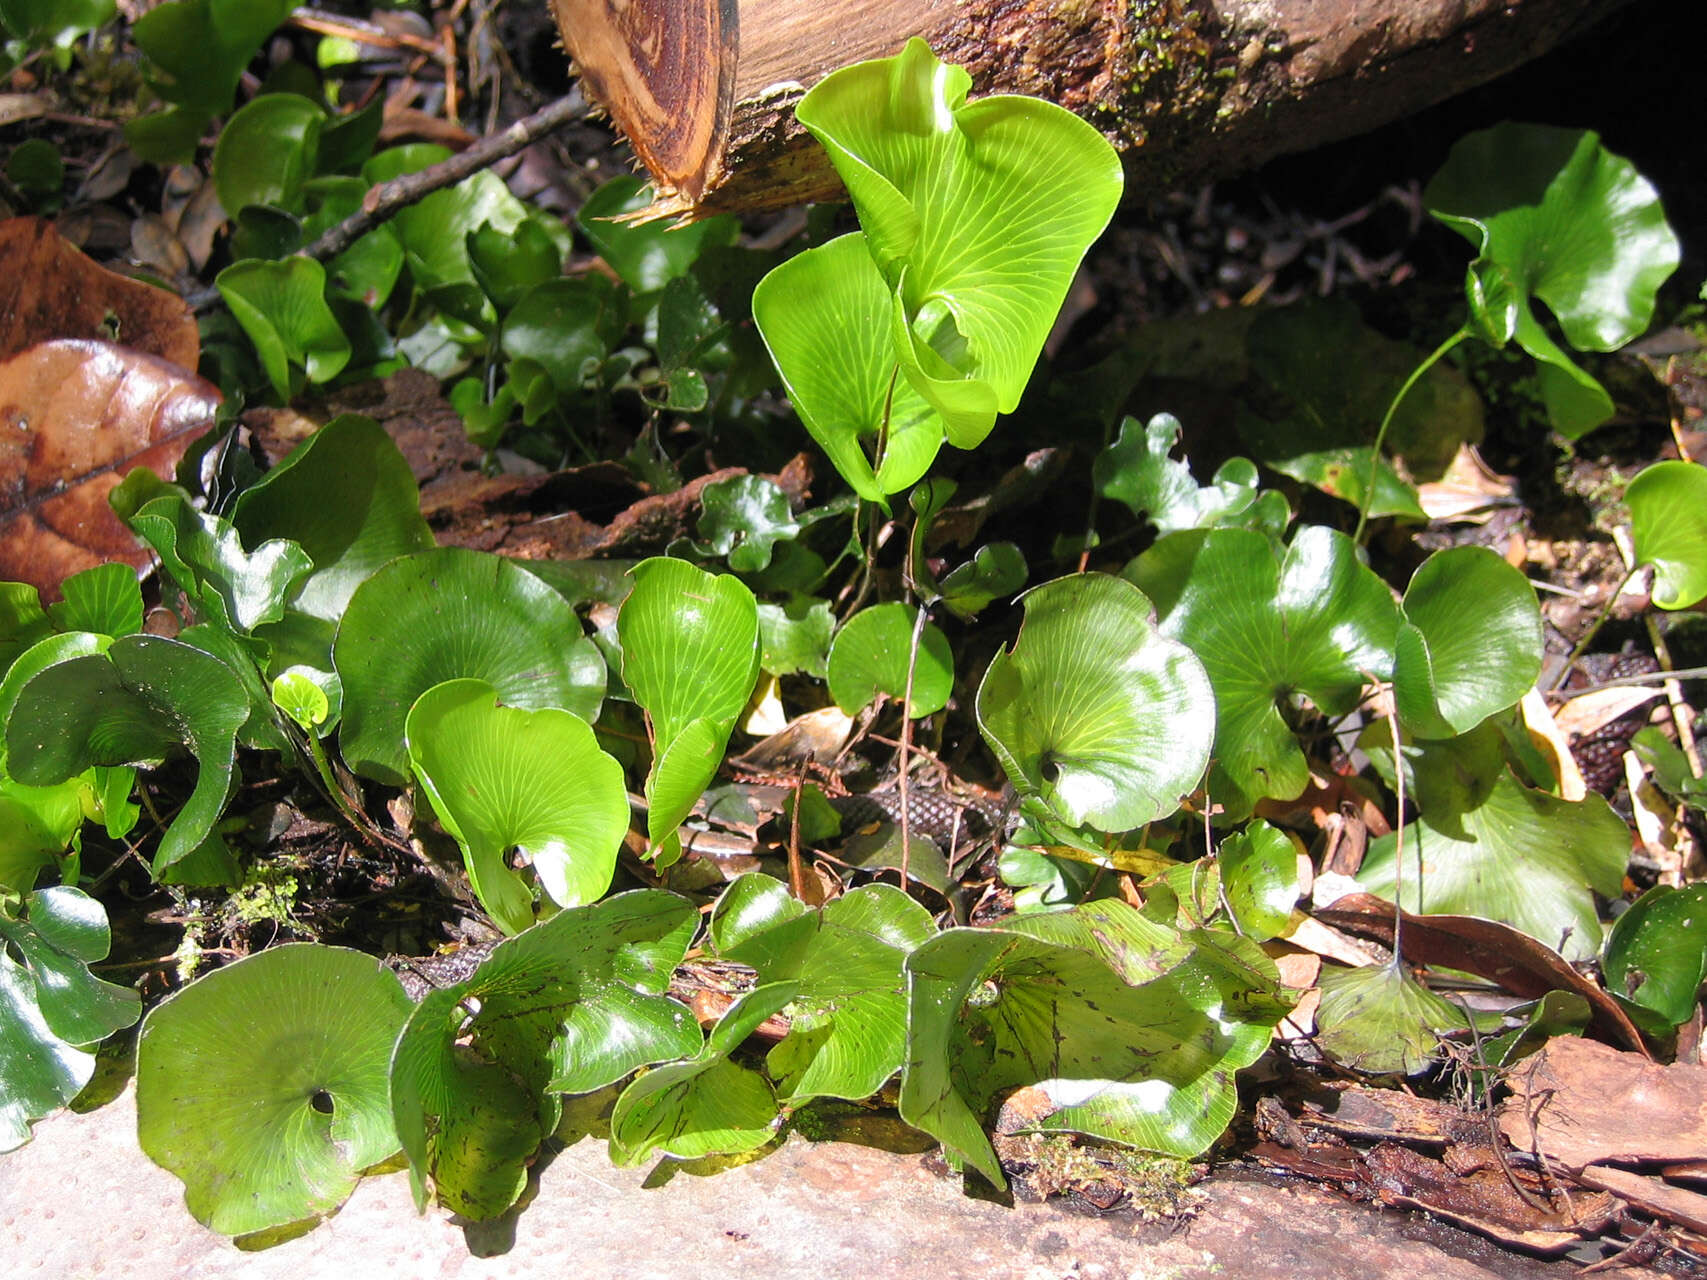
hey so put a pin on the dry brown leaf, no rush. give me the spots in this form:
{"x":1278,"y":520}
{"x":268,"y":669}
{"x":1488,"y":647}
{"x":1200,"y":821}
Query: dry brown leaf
{"x":51,"y":290}
{"x":75,"y":417}
{"x":1467,"y":492}
{"x":1555,"y":744}
{"x":1588,"y":713}
{"x":1686,"y":1208}
{"x":1580,"y":1102}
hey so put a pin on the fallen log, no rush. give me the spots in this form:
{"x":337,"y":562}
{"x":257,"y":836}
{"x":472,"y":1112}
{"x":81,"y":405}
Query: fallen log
{"x":1187,"y":89}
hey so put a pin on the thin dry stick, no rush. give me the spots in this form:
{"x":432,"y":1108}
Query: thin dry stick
{"x":386,"y":198}
{"x":907,"y":743}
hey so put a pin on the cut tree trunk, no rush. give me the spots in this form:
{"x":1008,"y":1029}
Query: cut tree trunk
{"x":1187,"y":89}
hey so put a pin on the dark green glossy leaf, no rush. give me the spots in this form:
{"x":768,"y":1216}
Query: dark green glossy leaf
{"x":267,"y":151}
{"x":1092,"y":711}
{"x":347,"y":497}
{"x":203,"y":555}
{"x":23,"y":621}
{"x":450,"y":614}
{"x":1656,"y":952}
{"x":507,"y":265}
{"x":572,"y":1005}
{"x":1138,"y":469}
{"x":563,"y":326}
{"x":647,"y":255}
{"x":742,"y":518}
{"x":263,"y":1085}
{"x":994,"y":571}
{"x":145,"y":697}
{"x":59,"y":934}
{"x":282,"y":307}
{"x":1573,"y":225}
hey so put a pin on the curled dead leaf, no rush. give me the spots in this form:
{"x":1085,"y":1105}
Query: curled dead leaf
{"x":1486,"y":948}
{"x":75,"y":418}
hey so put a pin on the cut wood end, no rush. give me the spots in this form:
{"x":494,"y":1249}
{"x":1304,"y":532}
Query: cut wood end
{"x":665,"y":71}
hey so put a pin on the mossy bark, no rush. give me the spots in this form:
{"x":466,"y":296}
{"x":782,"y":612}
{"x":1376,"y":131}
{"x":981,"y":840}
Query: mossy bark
{"x":1188,"y":89}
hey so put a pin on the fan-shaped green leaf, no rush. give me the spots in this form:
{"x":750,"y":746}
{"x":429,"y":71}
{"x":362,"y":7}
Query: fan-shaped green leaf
{"x":105,"y":600}
{"x":690,"y":655}
{"x":1381,"y":1020}
{"x":1132,"y":1030}
{"x":347,"y":497}
{"x":143,"y":698}
{"x":870,"y":655}
{"x":1316,"y":622}
{"x":1656,"y":952}
{"x":266,"y":151}
{"x":706,"y":1105}
{"x":976,"y":214}
{"x":504,"y":779}
{"x":572,"y":1005}
{"x":282,"y":307}
{"x":263,"y":1085}
{"x":1093,"y":711}
{"x":1573,"y":225}
{"x":1511,"y":854}
{"x":1471,"y":643}
{"x":824,"y":315}
{"x":1668,"y":518}
{"x":848,"y":1013}
{"x":448,"y":614}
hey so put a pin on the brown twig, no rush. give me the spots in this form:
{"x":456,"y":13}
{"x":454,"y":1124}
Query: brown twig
{"x":386,"y":198}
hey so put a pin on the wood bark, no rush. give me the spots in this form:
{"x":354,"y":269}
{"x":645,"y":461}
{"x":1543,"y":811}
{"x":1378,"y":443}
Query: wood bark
{"x":1187,"y":89}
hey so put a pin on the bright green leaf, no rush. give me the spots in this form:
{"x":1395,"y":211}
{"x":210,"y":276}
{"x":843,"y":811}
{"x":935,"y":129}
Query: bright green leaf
{"x":204,"y":556}
{"x":1316,"y":622}
{"x":263,"y":1085}
{"x":742,"y":518}
{"x":871,"y":653}
{"x":1138,"y":469}
{"x":1668,"y":519}
{"x":976,"y":215}
{"x":994,"y":571}
{"x":448,"y":614}
{"x":824,"y":314}
{"x":1471,"y":643}
{"x":1259,"y":875}
{"x":1093,"y":711}
{"x":60,"y":932}
{"x":105,"y":600}
{"x":502,"y":779}
{"x":690,"y":656}
{"x":795,"y":637}
{"x":572,"y":1005}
